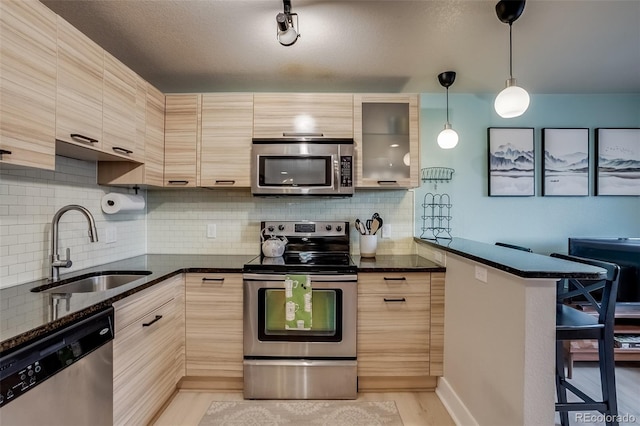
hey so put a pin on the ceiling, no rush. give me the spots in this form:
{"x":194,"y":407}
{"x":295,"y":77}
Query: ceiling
{"x":559,"y":46}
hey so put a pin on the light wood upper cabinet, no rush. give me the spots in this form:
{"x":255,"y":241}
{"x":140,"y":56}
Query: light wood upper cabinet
{"x":226,"y":128}
{"x":149,"y":143}
{"x":119,"y":119}
{"x":214,"y":326}
{"x":278,"y":115}
{"x":28,"y":48}
{"x":148,"y":351}
{"x":79,"y":94}
{"x":182,"y":120}
{"x":400,"y":329}
{"x":387,"y":140}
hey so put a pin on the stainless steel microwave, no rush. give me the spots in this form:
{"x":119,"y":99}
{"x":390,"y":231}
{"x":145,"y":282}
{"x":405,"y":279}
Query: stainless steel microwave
{"x":302,"y":166}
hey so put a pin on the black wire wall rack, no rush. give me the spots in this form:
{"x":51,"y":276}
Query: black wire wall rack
{"x":436,"y":217}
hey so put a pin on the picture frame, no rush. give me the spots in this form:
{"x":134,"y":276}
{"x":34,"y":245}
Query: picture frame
{"x":565,"y":162}
{"x":617,"y":161}
{"x":511,"y":161}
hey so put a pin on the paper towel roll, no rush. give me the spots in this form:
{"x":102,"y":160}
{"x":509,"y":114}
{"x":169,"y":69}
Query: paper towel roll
{"x":116,"y":203}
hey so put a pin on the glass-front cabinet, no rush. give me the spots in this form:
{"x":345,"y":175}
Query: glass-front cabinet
{"x":387,"y":140}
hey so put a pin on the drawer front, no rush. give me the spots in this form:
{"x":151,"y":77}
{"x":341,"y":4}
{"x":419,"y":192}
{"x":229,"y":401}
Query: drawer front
{"x":135,"y":307}
{"x":214,"y":325}
{"x":394,"y":282}
{"x":393,"y":335}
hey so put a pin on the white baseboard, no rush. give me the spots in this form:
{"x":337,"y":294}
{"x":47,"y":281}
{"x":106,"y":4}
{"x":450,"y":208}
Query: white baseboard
{"x":454,"y":405}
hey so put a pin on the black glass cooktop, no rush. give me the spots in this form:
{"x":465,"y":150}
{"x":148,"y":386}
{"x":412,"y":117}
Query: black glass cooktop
{"x":306,"y":262}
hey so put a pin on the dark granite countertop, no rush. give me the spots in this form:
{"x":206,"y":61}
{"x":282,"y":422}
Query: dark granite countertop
{"x":516,"y":262}
{"x":25,"y":314}
{"x":393,"y":263}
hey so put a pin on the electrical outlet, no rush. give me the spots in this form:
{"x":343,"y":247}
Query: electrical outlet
{"x":111,"y":234}
{"x":385,"y":231}
{"x":481,"y":274}
{"x":211,"y":230}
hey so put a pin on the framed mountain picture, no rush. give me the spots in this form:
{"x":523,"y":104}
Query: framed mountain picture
{"x":511,"y":161}
{"x":618,"y":161}
{"x":565,"y":162}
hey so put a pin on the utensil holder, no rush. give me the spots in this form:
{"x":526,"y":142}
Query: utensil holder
{"x":368,"y":245}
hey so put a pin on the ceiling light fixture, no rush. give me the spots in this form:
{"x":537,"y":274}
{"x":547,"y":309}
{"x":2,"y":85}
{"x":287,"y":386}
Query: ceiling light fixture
{"x":448,"y":138}
{"x":286,"y":32}
{"x":513,"y":101}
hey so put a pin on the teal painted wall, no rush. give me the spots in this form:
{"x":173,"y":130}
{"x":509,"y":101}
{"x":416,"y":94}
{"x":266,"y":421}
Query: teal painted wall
{"x":542,"y":223}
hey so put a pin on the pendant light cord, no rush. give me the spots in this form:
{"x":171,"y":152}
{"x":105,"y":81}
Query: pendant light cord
{"x":510,"y":53}
{"x":447,"y":105}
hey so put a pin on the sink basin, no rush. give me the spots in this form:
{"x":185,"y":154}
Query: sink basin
{"x":98,"y":282}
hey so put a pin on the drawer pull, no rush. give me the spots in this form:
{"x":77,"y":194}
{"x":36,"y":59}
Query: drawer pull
{"x":122,"y":150}
{"x":394,"y":300}
{"x":395,"y":279}
{"x":83,"y":137}
{"x":219,"y":280}
{"x":157,"y":318}
{"x":225,"y":182}
{"x":302,"y":135}
{"x":178,"y":182}
{"x":4,"y":152}
{"x":387,"y":182}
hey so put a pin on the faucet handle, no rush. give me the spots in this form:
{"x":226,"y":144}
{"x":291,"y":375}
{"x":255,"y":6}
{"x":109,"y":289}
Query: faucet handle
{"x":61,"y":263}
{"x":68,"y":261}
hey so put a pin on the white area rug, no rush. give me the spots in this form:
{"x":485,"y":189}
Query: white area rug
{"x":302,"y":413}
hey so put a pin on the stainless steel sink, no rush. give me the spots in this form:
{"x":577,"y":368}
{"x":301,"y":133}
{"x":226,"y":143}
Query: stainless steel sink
{"x":99,"y":282}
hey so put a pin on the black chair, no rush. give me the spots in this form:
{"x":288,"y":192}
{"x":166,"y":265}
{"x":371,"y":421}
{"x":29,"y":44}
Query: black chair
{"x":512,"y":246}
{"x":575,"y":324}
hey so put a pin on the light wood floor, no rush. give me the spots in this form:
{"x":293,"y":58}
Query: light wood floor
{"x":416,"y":408}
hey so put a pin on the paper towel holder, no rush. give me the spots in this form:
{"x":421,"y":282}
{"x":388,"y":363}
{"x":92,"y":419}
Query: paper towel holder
{"x":135,"y":188}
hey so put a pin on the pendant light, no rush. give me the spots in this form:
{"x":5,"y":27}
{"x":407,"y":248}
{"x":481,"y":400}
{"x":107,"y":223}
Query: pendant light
{"x":448,"y":138}
{"x":513,"y":101}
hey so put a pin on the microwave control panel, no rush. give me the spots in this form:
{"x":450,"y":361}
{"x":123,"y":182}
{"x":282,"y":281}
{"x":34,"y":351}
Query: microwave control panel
{"x":346,"y":171}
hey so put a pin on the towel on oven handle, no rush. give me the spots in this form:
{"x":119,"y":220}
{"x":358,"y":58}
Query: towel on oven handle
{"x":298,"y":303}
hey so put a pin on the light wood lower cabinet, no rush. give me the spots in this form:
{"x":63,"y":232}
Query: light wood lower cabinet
{"x":400,"y":330}
{"x":28,"y":48}
{"x":148,"y":351}
{"x":214,"y":330}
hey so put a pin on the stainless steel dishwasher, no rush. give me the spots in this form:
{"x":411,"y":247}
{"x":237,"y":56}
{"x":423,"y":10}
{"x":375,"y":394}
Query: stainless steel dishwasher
{"x":65,"y":378}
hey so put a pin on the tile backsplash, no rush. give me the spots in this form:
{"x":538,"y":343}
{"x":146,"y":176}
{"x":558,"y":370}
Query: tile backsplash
{"x":28,"y":200}
{"x":177,"y":220}
{"x":174,"y":221}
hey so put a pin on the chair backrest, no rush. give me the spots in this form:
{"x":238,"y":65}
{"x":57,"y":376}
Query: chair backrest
{"x":604,"y":304}
{"x":512,"y":246}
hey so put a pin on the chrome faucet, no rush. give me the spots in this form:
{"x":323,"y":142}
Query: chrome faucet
{"x":56,"y":262}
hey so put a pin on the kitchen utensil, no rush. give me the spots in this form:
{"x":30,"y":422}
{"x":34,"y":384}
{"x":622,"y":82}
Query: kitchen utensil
{"x":368,"y":226}
{"x":360,"y":227}
{"x":376,"y":224}
{"x":274,"y":246}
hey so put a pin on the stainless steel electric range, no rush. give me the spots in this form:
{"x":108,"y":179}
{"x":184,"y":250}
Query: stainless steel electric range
{"x":316,"y":363}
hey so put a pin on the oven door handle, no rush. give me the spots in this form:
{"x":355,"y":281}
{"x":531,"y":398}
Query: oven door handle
{"x":314,"y":277}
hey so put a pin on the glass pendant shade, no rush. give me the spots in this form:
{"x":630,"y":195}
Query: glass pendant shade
{"x":512,"y":101}
{"x":447,"y":138}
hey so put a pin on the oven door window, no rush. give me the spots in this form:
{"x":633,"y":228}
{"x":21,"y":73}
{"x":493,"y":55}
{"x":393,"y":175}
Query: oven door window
{"x":292,"y":171}
{"x":326,"y":317}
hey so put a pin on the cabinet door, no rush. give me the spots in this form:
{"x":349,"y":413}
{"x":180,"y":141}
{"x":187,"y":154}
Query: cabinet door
{"x":278,"y":115}
{"x":393,"y":324}
{"x":148,"y":351}
{"x":119,"y":109}
{"x":181,"y":140}
{"x":225,"y":155}
{"x":387,"y":140}
{"x":27,"y":84}
{"x":154,"y":137}
{"x":79,"y":95}
{"x":214,"y":325}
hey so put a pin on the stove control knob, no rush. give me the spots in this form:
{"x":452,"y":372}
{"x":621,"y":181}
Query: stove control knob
{"x":270,"y":228}
{"x":339,"y":228}
{"x":328,"y":227}
{"x":281,"y":227}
